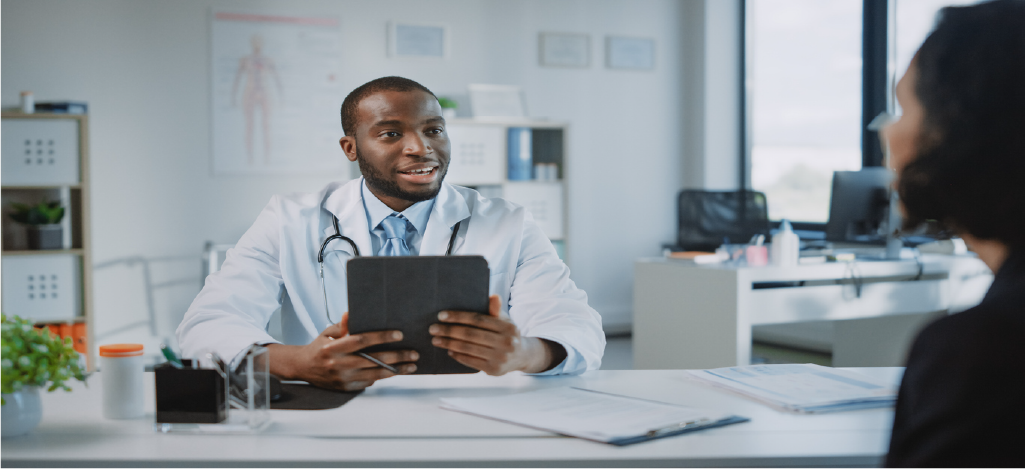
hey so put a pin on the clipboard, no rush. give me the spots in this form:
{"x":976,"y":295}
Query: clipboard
{"x":593,"y":415}
{"x":407,"y":293}
{"x":678,"y":429}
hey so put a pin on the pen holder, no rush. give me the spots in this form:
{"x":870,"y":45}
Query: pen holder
{"x":249,"y":386}
{"x":188,"y":395}
{"x":236,"y":401}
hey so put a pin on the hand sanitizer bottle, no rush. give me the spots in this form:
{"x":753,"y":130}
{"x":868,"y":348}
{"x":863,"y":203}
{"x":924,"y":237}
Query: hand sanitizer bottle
{"x":786,"y":245}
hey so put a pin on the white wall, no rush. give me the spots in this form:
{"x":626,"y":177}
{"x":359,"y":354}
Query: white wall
{"x":712,"y":95}
{"x":144,"y":69}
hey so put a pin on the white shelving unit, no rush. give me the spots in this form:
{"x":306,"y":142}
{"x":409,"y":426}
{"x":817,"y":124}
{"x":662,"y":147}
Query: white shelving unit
{"x":479,"y":159}
{"x":46,"y":157}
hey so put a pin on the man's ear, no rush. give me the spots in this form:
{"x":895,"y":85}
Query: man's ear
{"x":348,"y":145}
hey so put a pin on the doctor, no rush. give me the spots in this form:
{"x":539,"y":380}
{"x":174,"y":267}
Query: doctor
{"x":539,"y":321}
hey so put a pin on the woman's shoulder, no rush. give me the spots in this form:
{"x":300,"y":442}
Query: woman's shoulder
{"x":962,"y":388}
{"x":1001,"y":314}
{"x":994,"y":325}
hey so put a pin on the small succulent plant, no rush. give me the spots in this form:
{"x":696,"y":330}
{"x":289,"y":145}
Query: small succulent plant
{"x":43,"y":213}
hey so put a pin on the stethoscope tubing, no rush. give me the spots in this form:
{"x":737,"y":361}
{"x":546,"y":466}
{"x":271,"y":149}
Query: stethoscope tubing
{"x":355,"y":250}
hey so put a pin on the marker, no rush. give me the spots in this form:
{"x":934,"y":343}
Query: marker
{"x":379,"y":363}
{"x":170,"y":356}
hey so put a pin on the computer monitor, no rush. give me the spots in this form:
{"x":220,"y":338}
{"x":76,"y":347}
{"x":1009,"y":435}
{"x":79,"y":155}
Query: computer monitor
{"x":859,"y":206}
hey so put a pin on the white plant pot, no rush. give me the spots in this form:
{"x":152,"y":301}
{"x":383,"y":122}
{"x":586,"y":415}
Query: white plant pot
{"x":22,"y":412}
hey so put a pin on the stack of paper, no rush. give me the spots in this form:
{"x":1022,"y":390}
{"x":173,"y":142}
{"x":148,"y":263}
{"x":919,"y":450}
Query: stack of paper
{"x":593,"y":415}
{"x":802,"y":388}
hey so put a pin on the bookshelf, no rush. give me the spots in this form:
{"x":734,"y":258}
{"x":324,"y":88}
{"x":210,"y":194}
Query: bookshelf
{"x":45,"y":157}
{"x":480,"y":158}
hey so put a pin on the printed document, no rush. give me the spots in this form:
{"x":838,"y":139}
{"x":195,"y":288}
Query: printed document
{"x":593,"y":415}
{"x":802,"y":388}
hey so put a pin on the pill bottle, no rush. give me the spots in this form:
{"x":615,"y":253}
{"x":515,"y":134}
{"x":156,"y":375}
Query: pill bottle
{"x":28,"y":102}
{"x":121,"y":370}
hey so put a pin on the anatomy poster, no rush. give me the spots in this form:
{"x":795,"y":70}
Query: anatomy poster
{"x":276,"y":94}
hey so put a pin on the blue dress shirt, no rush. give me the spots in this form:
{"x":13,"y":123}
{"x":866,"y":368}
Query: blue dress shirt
{"x":417,"y":214}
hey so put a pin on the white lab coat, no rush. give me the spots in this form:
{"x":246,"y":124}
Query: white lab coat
{"x":275,"y":265}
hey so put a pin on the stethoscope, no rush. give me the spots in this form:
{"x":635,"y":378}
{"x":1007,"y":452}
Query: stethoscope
{"x":356,"y":253}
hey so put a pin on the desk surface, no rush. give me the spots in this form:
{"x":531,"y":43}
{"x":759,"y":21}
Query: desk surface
{"x":930,"y":264}
{"x":397,"y":422}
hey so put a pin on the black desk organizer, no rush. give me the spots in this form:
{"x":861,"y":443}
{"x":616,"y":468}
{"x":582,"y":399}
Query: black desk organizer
{"x":187,"y":395}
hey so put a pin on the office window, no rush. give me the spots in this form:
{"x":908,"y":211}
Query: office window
{"x":804,"y":95}
{"x":914,"y":20}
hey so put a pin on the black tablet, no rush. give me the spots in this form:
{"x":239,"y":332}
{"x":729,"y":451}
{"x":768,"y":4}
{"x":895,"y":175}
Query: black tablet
{"x":407,"y":293}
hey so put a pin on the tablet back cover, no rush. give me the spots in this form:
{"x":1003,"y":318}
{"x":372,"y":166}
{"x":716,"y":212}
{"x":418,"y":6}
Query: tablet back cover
{"x":407,"y":293}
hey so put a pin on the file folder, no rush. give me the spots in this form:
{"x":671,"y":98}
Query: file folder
{"x":593,"y":415}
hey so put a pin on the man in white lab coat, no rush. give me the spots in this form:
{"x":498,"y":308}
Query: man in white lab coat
{"x":539,"y":321}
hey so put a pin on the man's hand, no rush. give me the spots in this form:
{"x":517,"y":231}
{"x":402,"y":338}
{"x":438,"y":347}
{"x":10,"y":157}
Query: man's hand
{"x":493,"y":344}
{"x":329,"y":361}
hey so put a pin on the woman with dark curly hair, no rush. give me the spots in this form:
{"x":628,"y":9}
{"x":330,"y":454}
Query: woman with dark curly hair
{"x":959,"y":153}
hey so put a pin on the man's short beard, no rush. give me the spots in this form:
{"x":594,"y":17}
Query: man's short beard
{"x":389,"y":188}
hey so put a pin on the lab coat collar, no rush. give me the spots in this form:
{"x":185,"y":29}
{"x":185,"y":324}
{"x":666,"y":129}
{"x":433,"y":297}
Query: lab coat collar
{"x":346,"y":203}
{"x":450,"y":207}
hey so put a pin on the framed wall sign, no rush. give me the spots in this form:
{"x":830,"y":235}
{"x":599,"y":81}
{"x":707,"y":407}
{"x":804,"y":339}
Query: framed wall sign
{"x":565,"y":50}
{"x":418,"y":40}
{"x":629,"y":53}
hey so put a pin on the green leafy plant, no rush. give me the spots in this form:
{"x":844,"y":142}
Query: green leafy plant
{"x":35,"y":357}
{"x":43,"y":213}
{"x":447,"y":103}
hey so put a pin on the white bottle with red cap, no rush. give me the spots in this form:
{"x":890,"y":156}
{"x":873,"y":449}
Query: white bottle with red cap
{"x":121,"y":370}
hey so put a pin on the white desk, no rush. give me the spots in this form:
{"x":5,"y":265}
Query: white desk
{"x":397,"y":422}
{"x":689,"y":316}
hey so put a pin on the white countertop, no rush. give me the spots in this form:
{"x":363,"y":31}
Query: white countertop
{"x":397,"y":422}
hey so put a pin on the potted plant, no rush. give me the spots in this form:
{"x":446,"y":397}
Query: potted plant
{"x":448,"y":107}
{"x":42,"y":223}
{"x":31,"y":359}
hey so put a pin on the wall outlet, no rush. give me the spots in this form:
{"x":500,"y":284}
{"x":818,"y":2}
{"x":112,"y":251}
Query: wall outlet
{"x":42,"y":287}
{"x":37,"y":152}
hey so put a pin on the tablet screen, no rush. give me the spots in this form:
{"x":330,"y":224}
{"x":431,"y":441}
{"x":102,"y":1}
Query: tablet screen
{"x":407,"y":293}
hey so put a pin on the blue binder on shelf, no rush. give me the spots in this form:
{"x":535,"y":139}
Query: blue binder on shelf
{"x":521,"y":161}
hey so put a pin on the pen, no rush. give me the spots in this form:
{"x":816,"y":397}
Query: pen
{"x":170,"y":356}
{"x":379,"y":362}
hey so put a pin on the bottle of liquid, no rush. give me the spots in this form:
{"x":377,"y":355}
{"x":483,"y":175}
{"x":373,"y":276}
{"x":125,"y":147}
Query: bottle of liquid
{"x":786,"y":245}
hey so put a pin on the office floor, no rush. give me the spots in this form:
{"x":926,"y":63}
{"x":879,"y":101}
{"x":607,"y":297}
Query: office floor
{"x":619,"y":354}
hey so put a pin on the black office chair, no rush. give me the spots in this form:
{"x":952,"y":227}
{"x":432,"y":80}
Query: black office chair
{"x":707,"y":218}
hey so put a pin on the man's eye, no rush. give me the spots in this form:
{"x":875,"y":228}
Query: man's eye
{"x":435,"y":131}
{"x":390,"y":134}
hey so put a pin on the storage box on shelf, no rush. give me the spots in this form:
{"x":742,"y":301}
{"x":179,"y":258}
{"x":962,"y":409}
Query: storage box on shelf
{"x":45,"y":158}
{"x":522,"y":161}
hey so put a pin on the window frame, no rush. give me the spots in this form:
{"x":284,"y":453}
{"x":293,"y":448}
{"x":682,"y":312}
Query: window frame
{"x":876,"y":96}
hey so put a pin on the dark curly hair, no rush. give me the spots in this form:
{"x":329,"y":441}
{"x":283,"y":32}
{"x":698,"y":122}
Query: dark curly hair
{"x":969,"y":175}
{"x":351,"y":103}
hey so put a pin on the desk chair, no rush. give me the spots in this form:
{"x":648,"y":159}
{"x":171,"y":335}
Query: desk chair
{"x":706,"y":218}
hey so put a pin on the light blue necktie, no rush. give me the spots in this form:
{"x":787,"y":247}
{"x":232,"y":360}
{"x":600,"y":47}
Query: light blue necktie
{"x":395,"y":236}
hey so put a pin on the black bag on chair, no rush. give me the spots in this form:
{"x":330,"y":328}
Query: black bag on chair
{"x":707,"y":217}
